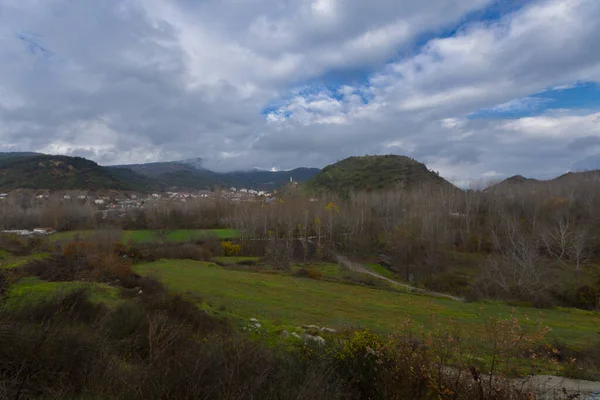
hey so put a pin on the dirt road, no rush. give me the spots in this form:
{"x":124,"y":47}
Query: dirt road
{"x":358,"y":267}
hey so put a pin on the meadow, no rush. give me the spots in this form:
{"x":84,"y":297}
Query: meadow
{"x":152,"y":236}
{"x":288,"y":301}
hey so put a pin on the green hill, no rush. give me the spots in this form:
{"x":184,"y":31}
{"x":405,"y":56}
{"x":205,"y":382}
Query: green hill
{"x":58,"y":173}
{"x":373,"y":173}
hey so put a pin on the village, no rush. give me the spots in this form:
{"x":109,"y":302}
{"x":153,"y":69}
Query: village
{"x":115,"y":204}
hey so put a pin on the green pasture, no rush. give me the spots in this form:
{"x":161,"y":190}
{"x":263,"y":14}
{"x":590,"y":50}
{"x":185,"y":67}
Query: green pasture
{"x":145,"y":236}
{"x":9,"y":261}
{"x":380,"y":269}
{"x":32,"y":289}
{"x":290,"y":301}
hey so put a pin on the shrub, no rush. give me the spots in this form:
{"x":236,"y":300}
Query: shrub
{"x":314,"y":273}
{"x":230,"y":249}
{"x":587,"y":297}
{"x":363,"y":279}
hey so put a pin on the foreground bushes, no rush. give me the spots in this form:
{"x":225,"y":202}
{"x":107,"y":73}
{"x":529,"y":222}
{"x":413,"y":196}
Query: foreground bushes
{"x":165,"y":347}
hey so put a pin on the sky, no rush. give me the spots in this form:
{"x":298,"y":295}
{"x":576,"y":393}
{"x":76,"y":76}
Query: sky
{"x":475,"y":89}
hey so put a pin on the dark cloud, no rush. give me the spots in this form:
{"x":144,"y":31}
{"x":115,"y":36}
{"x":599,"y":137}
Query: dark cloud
{"x":584,"y":143}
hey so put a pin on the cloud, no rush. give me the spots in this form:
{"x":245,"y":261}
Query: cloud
{"x":298,"y":83}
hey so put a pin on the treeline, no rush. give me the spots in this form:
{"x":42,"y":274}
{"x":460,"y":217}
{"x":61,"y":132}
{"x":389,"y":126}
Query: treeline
{"x":536,"y":243}
{"x":65,"y":215}
{"x":525,"y":243}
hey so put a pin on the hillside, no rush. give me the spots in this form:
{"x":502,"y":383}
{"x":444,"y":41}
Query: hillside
{"x":513,"y":182}
{"x":56,"y":172}
{"x":9,"y":155}
{"x":373,"y":173}
{"x":267,"y":180}
{"x":569,"y":179}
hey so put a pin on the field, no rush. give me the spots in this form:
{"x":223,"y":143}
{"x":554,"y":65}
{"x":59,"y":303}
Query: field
{"x":179,"y":235}
{"x":290,"y":301}
{"x":32,"y":289}
{"x":9,"y":261}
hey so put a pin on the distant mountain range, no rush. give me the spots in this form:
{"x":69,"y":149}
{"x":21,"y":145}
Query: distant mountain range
{"x":40,"y":171}
{"x":570,"y":179}
{"x":190,"y":174}
{"x":367,"y":173}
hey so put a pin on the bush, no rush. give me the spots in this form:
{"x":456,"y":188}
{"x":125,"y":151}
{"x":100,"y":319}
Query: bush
{"x":230,"y":249}
{"x":166,"y":347}
{"x":587,"y":297}
{"x":543,"y":300}
{"x":309,"y":272}
{"x":363,"y":279}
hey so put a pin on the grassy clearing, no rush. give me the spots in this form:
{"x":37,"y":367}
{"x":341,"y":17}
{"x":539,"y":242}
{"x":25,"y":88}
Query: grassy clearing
{"x":291,"y":301}
{"x":234,"y":260}
{"x":178,"y":236}
{"x":18,"y":261}
{"x":33,"y":289}
{"x":381,"y":270}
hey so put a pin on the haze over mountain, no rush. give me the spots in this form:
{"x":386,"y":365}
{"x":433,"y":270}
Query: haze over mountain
{"x":39,"y":171}
{"x":473,"y":88}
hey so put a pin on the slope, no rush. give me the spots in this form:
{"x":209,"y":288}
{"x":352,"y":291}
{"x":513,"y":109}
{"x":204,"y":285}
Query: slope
{"x":58,"y":173}
{"x":570,"y":179}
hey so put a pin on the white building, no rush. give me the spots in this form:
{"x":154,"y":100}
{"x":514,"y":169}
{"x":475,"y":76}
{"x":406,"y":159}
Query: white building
{"x":99,"y":201}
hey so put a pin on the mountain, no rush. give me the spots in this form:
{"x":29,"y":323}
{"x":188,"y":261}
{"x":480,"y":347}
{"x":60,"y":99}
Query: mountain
{"x":373,"y":173}
{"x":58,"y":173}
{"x":190,"y":174}
{"x":267,"y":180}
{"x":513,"y":182}
{"x":570,"y":179}
{"x":8,"y":155}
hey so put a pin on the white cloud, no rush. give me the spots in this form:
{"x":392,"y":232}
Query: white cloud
{"x":136,"y":80}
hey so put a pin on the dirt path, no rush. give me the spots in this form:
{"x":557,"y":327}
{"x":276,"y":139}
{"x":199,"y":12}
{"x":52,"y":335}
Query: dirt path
{"x":358,"y":267}
{"x":545,"y":386}
{"x":557,"y":387}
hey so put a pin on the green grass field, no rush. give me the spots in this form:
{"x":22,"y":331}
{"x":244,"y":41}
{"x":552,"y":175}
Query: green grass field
{"x":32,"y":289}
{"x":289,"y":301}
{"x":234,"y":260}
{"x":380,"y":269}
{"x":178,"y":235}
{"x":8,"y":261}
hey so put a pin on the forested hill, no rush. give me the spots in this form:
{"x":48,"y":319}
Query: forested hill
{"x":374,"y":173}
{"x":39,"y":171}
{"x":56,"y":172}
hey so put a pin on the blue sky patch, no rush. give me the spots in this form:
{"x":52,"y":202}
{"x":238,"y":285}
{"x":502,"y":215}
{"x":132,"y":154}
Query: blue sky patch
{"x":576,"y":96}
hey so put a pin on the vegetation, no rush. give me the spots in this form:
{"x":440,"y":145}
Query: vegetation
{"x":341,"y":285}
{"x":373,"y":173}
{"x":39,"y":171}
{"x":165,"y":347}
{"x":56,"y":172}
{"x":153,"y":236}
{"x":295,"y":302}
